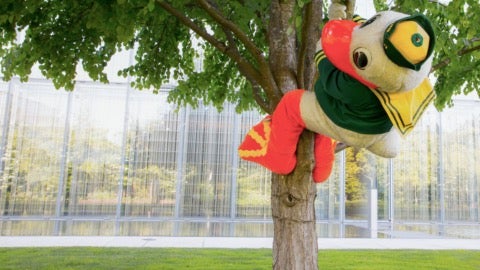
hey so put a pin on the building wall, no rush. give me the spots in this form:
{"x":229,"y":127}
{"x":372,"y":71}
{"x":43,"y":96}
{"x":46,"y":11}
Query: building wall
{"x":109,"y":160}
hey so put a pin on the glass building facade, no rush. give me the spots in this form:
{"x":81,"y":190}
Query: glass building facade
{"x":110,"y":160}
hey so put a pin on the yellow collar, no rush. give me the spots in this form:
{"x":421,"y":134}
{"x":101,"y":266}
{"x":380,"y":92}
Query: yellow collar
{"x":404,"y":109}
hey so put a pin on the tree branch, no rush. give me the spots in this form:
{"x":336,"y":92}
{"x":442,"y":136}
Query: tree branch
{"x":283,"y":45}
{"x":256,"y":77}
{"x":310,"y":34}
{"x":340,"y":147}
{"x":193,"y":26}
{"x":225,"y":23}
{"x":462,"y":52}
{"x":267,"y":81}
{"x":246,"y":69}
{"x":259,"y":99}
{"x":350,"y":4}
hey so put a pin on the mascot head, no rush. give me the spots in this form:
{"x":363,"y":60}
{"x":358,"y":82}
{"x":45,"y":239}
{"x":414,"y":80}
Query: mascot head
{"x":391,"y":51}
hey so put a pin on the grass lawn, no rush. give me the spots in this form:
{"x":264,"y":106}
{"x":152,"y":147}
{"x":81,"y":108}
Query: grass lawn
{"x":168,"y":258}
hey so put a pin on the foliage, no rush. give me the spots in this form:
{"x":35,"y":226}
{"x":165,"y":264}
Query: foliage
{"x":381,"y":4}
{"x":167,"y":258}
{"x":27,"y":174}
{"x":59,"y":37}
{"x":355,"y":167}
{"x":253,"y":192}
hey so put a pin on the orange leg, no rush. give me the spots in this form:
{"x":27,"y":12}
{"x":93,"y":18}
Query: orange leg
{"x":273,"y":142}
{"x":324,"y":151}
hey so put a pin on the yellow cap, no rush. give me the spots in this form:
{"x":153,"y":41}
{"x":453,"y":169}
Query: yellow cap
{"x":408,"y":42}
{"x":411,"y":40}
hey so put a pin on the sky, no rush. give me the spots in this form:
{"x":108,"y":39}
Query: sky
{"x":365,"y":8}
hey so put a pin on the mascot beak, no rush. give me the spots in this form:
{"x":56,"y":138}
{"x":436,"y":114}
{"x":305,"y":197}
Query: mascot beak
{"x":336,"y":39}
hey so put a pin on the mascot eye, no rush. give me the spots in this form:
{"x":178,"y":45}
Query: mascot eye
{"x":361,"y":58}
{"x":369,"y":21}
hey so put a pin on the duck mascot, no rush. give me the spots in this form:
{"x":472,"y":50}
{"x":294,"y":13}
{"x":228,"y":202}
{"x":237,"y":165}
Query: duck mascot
{"x":371,"y":90}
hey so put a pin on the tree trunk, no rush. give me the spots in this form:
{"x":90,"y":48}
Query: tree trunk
{"x":293,"y":195}
{"x":293,"y":212}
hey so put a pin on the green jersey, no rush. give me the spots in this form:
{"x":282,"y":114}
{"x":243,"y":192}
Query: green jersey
{"x":349,"y":103}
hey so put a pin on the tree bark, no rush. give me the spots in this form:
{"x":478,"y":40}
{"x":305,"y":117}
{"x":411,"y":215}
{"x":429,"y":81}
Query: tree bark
{"x":293,"y":211}
{"x":293,"y":196}
{"x":350,"y":4}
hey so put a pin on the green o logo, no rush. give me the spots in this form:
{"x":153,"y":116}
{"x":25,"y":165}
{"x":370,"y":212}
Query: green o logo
{"x":417,"y":39}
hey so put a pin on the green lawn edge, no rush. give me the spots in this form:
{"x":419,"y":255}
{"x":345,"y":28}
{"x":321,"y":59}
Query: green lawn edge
{"x":176,"y":258}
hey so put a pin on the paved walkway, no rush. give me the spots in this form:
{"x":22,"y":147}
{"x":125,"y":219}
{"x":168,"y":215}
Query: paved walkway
{"x":232,"y":242}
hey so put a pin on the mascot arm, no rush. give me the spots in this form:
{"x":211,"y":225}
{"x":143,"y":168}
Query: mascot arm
{"x":337,"y":10}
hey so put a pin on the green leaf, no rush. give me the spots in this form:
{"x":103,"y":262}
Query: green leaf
{"x":60,"y":35}
{"x":151,"y":5}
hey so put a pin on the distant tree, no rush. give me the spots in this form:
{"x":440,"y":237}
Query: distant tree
{"x":253,"y":51}
{"x":355,"y":165}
